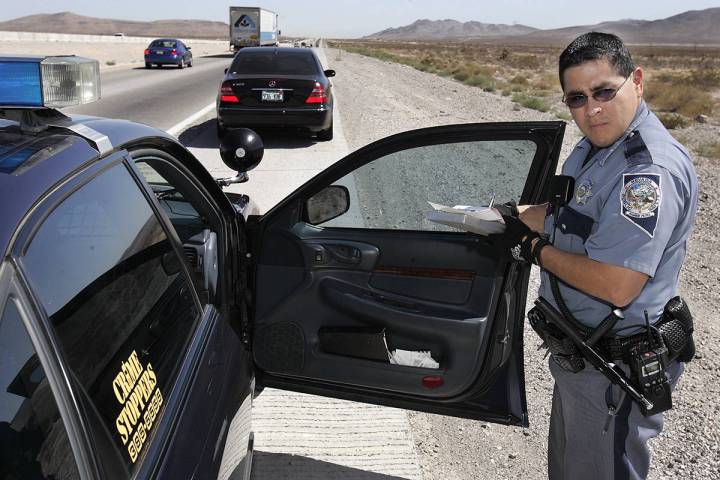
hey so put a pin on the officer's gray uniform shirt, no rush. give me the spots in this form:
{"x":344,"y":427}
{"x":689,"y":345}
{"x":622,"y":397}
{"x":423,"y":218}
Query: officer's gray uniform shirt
{"x":634,"y":206}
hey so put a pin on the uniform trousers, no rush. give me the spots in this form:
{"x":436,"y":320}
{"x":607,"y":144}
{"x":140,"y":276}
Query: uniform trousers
{"x":587,"y":442}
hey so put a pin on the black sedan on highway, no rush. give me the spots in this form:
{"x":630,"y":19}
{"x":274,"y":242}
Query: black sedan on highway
{"x":276,"y":87}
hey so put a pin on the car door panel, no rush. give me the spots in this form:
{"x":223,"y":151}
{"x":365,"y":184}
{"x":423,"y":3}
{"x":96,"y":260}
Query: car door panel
{"x":447,"y":315}
{"x":443,"y":292}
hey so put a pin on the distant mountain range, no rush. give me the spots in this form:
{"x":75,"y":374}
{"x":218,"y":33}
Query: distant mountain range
{"x":691,"y":27}
{"x":450,"y":29}
{"x":67,"y":22}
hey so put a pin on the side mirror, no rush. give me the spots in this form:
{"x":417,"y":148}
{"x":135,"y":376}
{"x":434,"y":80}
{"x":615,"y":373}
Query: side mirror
{"x":328,"y":203}
{"x":189,"y":48}
{"x":241,"y":149}
{"x":225,"y":71}
{"x":329,"y":73}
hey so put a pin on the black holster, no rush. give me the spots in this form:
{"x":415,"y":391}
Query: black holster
{"x":676,"y":328}
{"x":562,"y":349}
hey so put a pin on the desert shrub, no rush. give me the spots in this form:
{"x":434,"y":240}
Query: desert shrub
{"x":483,"y":81}
{"x":523,"y":60}
{"x":705,"y":78}
{"x":673,"y":120}
{"x":110,"y":62}
{"x":546,"y":81}
{"x":461,"y":75}
{"x":667,"y":77}
{"x":478,"y":69}
{"x":562,"y":115}
{"x":679,"y":97}
{"x":710,"y":150}
{"x":531,"y":102}
{"x":519,"y":80}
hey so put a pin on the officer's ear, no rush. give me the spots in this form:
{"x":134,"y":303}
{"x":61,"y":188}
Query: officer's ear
{"x":638,"y":77}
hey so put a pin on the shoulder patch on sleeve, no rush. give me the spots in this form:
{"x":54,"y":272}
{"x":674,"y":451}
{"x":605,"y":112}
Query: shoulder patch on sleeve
{"x":636,"y":152}
{"x":640,"y":199}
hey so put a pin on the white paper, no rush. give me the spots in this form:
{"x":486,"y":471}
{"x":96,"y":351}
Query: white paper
{"x":413,"y":359}
{"x":481,"y":220}
{"x":481,"y":212}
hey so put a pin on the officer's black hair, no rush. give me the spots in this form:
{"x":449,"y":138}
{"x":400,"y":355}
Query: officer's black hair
{"x":594,"y":46}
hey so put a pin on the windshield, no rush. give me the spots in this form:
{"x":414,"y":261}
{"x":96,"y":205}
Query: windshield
{"x":273,"y":63}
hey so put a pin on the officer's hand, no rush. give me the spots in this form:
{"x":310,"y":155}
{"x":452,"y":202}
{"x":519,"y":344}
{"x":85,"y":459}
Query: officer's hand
{"x":533,"y":216}
{"x":516,"y":240}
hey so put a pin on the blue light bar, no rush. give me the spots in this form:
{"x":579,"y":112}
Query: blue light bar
{"x":20,"y":84}
{"x":52,"y":82}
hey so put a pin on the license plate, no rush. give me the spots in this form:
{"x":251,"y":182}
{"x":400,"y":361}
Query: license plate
{"x":159,"y":52}
{"x":272,"y":96}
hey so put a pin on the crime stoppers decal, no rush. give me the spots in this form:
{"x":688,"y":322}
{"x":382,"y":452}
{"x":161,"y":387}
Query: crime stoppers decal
{"x":640,"y":199}
{"x":135,"y":387}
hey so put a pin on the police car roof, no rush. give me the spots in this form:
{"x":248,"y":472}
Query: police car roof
{"x":25,"y":58}
{"x":30,"y":165}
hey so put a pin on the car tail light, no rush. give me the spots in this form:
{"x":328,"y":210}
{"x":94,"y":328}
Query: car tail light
{"x":226,"y":93}
{"x":317,"y":95}
{"x":147,"y":51}
{"x":174,"y":52}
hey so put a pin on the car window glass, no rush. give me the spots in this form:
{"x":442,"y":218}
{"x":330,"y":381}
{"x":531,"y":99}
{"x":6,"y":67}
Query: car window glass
{"x":272,"y":63}
{"x":163,"y":44}
{"x":183,"y":205}
{"x":33,"y":440}
{"x":117,"y":298}
{"x":182,"y":213}
{"x":392,"y":192}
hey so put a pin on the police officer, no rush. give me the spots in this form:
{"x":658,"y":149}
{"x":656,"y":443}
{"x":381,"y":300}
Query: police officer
{"x":619,"y":242}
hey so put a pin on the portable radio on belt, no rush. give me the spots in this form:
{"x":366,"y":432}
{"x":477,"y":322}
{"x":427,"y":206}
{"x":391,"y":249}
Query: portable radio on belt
{"x":647,"y":363}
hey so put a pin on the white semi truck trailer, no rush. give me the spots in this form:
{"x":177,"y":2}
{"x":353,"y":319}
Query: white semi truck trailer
{"x":253,"y":27}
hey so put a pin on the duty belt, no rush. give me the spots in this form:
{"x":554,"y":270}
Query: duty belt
{"x":675,"y":333}
{"x":617,"y":348}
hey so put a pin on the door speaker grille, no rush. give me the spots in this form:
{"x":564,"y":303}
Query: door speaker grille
{"x":280,"y":347}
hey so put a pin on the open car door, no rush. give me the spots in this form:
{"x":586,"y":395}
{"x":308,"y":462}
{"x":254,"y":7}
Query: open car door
{"x":332,"y":297}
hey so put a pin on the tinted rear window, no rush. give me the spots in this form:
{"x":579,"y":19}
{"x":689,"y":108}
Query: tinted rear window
{"x":164,"y":44}
{"x":272,"y":63}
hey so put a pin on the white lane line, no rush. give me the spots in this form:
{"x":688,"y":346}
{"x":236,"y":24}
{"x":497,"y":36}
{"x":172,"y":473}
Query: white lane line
{"x":176,"y":129}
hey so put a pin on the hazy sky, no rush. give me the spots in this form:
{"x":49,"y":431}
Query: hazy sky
{"x":353,"y":18}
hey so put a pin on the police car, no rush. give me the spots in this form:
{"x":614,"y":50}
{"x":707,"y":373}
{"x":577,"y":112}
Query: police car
{"x":141,"y":308}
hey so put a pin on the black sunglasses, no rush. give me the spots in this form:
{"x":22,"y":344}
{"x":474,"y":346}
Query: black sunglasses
{"x":577,"y":100}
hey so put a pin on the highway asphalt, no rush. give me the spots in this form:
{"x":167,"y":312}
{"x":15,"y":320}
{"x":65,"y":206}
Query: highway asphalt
{"x":160,"y":97}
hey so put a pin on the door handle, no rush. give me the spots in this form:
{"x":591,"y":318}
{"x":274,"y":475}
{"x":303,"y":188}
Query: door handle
{"x":345,"y":253}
